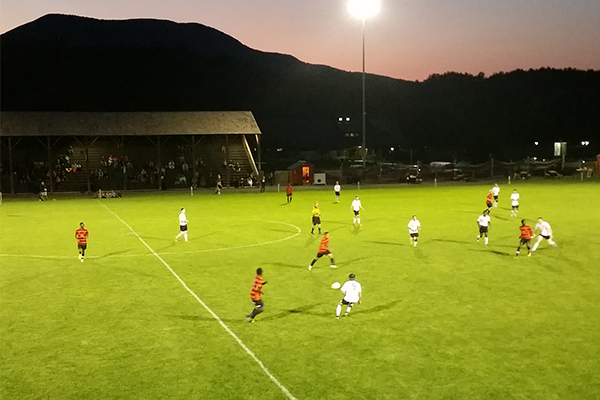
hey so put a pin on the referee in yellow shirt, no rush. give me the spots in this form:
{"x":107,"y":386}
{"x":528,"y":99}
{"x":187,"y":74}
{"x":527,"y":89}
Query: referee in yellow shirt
{"x":316,"y":219}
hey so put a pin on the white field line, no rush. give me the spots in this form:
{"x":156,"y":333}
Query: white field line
{"x":242,"y":246}
{"x":211,"y":312}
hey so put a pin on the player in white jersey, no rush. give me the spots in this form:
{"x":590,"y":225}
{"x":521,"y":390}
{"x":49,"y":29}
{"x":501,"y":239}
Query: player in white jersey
{"x":356,"y":207}
{"x":352,"y":294}
{"x":182,"y":226}
{"x":496,"y":193}
{"x":483,"y":222}
{"x":514,"y":203}
{"x":337,"y":188}
{"x":545,"y":232}
{"x":413,"y":230}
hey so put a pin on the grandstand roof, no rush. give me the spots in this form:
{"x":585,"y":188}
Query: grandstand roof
{"x":16,"y":123}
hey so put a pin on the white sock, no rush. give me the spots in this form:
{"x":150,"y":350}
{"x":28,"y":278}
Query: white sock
{"x":185,"y":236}
{"x":359,"y":221}
{"x":338,"y":310}
{"x":348,"y":309}
{"x":486,"y":240}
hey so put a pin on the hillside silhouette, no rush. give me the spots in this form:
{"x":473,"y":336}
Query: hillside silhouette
{"x":71,"y":63}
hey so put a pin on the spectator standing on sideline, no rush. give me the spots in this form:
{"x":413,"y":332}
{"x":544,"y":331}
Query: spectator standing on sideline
{"x":288,"y":192}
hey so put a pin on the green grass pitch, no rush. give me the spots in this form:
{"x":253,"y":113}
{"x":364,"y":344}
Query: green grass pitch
{"x":450,"y":319}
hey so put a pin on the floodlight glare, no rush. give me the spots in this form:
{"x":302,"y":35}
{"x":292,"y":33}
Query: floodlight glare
{"x":364,"y":9}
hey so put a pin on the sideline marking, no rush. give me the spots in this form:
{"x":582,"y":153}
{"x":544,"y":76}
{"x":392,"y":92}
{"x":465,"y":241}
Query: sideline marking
{"x":211,"y":312}
{"x":242,"y":246}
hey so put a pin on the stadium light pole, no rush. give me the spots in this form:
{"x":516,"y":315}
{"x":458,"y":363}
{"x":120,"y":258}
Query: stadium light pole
{"x":364,"y":9}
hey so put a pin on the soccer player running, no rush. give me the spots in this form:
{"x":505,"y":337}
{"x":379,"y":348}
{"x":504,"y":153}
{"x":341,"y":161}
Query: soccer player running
{"x":483,"y":222}
{"x":525,"y":238}
{"x":316,"y":219}
{"x":288,"y":192}
{"x":413,"y":229}
{"x":489,"y":200}
{"x":336,"y":189}
{"x":182,"y":226}
{"x":514,"y":203}
{"x":81,"y":235}
{"x":356,"y":207}
{"x":545,"y":232}
{"x":352,"y":294}
{"x":496,"y":193}
{"x":323,"y":251}
{"x":256,"y":295}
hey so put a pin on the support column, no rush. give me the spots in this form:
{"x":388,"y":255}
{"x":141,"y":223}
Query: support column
{"x":10,"y":167}
{"x":50,"y":166}
{"x":227,"y":160}
{"x":159,"y":163}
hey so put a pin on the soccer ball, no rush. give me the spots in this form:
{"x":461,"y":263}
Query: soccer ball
{"x":335,"y":285}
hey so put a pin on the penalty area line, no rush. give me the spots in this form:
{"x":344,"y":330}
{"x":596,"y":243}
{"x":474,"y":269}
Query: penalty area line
{"x":207,"y":308}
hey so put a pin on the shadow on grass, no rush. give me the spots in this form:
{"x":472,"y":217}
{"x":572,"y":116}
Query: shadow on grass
{"x":382,"y":307}
{"x":311,"y":239}
{"x":298,"y":310}
{"x":498,"y":252}
{"x":286,"y":265}
{"x":356,"y":230}
{"x":499,"y":217}
{"x":115,"y":253}
{"x":384,"y":243}
{"x":208,"y":318}
{"x":353,"y":260}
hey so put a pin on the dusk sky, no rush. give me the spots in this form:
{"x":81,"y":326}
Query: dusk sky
{"x":408,"y":39}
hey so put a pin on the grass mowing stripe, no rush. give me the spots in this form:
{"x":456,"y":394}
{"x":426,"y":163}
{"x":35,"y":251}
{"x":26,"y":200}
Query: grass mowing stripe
{"x":211,"y":312}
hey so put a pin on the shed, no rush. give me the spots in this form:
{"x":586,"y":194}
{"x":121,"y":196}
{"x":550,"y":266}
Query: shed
{"x":301,"y":172}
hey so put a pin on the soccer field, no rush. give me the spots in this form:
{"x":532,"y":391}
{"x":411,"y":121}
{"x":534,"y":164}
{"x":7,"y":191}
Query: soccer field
{"x":145,"y":317}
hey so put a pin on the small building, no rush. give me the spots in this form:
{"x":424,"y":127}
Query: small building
{"x":302,"y":173}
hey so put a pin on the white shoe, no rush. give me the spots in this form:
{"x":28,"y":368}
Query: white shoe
{"x":333,"y":266}
{"x":309,"y":267}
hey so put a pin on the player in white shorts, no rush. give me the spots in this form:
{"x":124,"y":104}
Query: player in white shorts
{"x":545,"y":232}
{"x":514,"y":203}
{"x":352,"y":294}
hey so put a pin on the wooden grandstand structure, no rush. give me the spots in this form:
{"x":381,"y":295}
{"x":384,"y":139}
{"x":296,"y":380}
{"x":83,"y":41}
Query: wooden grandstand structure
{"x":216,"y":138}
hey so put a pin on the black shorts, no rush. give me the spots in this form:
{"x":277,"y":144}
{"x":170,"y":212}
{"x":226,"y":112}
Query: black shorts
{"x":515,"y":207}
{"x":337,"y":194}
{"x":525,"y":241}
{"x":258,"y":303}
{"x":316,"y":220}
{"x":356,"y":212}
{"x":346,"y":302}
{"x":483,"y":229}
{"x":489,"y":204}
{"x":183,"y":228}
{"x":414,"y":235}
{"x":323,"y":253}
{"x":496,"y":198}
{"x":545,"y":237}
{"x":82,"y":246}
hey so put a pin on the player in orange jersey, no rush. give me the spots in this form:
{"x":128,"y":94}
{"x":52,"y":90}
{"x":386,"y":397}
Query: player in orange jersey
{"x":81,"y":235}
{"x":288,"y":192}
{"x":525,"y":238}
{"x":256,"y":295}
{"x":323,"y":251}
{"x":489,"y":200}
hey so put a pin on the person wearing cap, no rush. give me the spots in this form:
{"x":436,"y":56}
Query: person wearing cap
{"x":352,"y":294}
